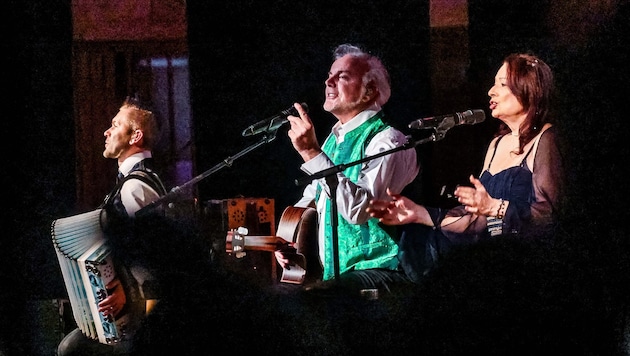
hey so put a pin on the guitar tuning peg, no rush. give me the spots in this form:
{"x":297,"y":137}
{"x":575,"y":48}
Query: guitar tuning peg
{"x":242,"y":230}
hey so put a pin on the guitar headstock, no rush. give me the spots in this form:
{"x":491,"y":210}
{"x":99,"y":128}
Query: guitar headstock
{"x":235,"y":241}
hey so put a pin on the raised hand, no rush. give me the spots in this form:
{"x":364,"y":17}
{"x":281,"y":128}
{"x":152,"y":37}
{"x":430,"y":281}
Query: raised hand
{"x":302,"y":134}
{"x":476,"y":199}
{"x":398,"y":211}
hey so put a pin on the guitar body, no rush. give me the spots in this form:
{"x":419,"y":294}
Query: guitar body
{"x":298,"y":229}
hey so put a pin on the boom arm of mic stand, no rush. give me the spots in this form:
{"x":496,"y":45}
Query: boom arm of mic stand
{"x":227,"y":162}
{"x":341,"y":167}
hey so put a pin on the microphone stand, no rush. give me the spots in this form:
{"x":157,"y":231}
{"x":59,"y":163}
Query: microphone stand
{"x":267,"y":137}
{"x":332,"y":182}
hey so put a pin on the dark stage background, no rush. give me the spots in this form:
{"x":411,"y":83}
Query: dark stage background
{"x":249,"y":61}
{"x":252,"y":60}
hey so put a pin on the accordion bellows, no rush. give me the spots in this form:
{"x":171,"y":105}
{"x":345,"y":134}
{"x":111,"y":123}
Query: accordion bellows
{"x":87,"y":266}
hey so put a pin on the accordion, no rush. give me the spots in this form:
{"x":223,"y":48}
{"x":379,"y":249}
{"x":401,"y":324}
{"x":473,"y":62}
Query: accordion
{"x":87,"y":266}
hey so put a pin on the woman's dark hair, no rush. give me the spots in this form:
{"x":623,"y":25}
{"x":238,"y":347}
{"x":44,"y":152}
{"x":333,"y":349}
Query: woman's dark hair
{"x":531,"y":81}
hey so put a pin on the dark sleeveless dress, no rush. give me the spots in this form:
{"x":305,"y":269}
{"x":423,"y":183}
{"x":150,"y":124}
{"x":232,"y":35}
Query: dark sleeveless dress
{"x":420,"y":246}
{"x":515,"y":185}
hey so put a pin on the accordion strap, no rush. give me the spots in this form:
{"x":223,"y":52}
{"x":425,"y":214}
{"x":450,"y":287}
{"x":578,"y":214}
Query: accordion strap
{"x":144,"y":174}
{"x":147,"y":176}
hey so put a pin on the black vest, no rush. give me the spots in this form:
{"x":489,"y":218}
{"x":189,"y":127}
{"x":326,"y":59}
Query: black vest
{"x":142,"y":171}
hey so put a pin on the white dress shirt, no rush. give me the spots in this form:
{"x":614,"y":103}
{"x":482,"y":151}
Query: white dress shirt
{"x":135,"y":194}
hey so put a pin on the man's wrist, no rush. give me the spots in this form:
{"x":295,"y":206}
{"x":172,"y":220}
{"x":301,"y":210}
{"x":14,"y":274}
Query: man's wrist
{"x":309,"y":154}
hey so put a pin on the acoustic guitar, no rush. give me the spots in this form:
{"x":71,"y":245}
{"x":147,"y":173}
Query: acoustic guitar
{"x":297,"y":229}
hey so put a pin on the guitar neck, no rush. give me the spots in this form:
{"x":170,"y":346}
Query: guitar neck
{"x":236,"y":242}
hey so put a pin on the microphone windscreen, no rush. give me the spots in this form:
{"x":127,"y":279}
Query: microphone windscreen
{"x":473,"y":116}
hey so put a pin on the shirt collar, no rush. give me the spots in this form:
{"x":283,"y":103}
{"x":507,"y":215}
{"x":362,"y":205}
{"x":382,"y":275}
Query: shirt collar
{"x":131,"y":161}
{"x":340,"y":130}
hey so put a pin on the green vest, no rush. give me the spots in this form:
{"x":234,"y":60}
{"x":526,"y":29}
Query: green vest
{"x":365,"y":246}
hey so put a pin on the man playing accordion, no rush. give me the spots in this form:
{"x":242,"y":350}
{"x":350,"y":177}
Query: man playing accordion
{"x":129,"y":140}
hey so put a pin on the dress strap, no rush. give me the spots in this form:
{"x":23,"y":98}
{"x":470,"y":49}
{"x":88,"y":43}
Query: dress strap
{"x":535,"y":145}
{"x":529,"y":151}
{"x":496,"y":145}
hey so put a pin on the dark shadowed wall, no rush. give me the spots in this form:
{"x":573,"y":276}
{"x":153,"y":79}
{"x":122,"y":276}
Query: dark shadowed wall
{"x":250,"y":60}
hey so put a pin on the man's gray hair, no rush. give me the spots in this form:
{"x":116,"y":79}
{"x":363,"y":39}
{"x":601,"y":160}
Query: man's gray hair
{"x":377,"y":73}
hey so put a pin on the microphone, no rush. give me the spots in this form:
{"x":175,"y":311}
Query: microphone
{"x":273,"y":123}
{"x":468,"y":117}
